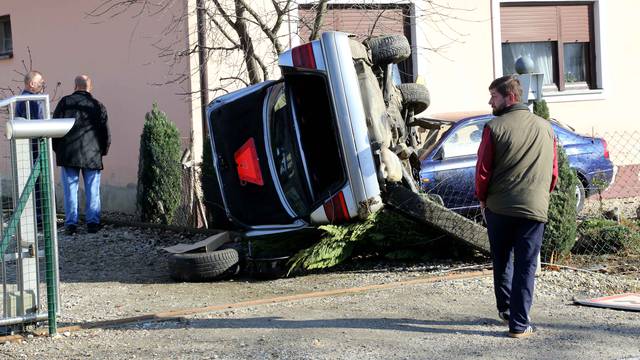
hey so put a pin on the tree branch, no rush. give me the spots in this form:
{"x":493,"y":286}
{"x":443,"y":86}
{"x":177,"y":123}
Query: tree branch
{"x":321,"y":11}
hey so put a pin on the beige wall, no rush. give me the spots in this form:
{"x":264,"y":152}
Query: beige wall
{"x":455,"y":57}
{"x":119,"y":55}
{"x":621,"y":53}
{"x":459,"y":73}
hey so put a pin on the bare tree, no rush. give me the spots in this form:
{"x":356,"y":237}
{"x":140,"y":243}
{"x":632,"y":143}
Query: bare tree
{"x":17,"y":82}
{"x":239,"y":29}
{"x":243,"y":39}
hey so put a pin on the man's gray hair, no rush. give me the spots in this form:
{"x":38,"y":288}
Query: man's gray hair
{"x":28,"y":77}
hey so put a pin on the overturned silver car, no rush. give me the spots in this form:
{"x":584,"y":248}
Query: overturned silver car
{"x":321,"y":144}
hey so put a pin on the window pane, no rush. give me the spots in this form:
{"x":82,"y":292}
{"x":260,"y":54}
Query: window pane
{"x":540,"y":52}
{"x":287,"y":156}
{"x":3,"y":39}
{"x":575,"y":62}
{"x":464,"y":141}
{"x":5,"y":35}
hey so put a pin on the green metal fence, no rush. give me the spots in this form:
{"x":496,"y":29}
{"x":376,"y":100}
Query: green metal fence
{"x":28,"y":246}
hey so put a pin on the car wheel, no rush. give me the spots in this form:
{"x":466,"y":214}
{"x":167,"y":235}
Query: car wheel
{"x":214,"y":265}
{"x":415,"y":96}
{"x":580,"y":195}
{"x":389,"y":49}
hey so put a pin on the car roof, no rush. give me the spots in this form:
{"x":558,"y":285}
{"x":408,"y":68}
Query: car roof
{"x":454,"y":117}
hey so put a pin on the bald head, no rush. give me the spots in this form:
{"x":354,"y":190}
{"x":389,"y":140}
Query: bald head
{"x":34,"y":82}
{"x":83,"y":83}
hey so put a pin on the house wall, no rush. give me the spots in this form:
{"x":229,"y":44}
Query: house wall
{"x":454,"y":54}
{"x":621,"y":52}
{"x":462,"y":65}
{"x":119,"y":54}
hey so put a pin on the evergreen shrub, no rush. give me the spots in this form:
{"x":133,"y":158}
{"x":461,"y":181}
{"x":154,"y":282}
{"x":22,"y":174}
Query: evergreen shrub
{"x":601,"y":236}
{"x":541,"y":109}
{"x":560,"y":231}
{"x":383,"y":234}
{"x":159,"y":169}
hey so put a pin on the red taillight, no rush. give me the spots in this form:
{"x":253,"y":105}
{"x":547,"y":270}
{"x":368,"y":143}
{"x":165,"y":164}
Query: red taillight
{"x":606,"y":150}
{"x":336,"y":208}
{"x":303,"y":56}
{"x":248,"y":164}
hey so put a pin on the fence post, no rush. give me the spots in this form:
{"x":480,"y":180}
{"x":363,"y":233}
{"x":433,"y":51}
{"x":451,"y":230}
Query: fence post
{"x":51,"y":271}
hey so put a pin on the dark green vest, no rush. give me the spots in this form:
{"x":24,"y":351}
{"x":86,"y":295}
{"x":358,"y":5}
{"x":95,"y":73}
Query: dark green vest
{"x":522,"y":164}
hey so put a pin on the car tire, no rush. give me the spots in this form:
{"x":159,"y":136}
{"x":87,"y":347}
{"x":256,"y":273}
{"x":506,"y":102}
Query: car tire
{"x":389,"y":49}
{"x":207,"y":266}
{"x":415,"y":96}
{"x":580,"y":196}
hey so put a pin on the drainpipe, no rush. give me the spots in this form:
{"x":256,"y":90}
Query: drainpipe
{"x":202,"y":64}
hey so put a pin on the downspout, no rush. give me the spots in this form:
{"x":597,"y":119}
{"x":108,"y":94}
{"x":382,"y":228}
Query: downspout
{"x":200,"y":215}
{"x":202,"y":65}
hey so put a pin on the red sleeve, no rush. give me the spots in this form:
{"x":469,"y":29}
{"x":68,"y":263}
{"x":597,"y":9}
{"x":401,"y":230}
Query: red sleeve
{"x":554,"y":176}
{"x":484,"y":166}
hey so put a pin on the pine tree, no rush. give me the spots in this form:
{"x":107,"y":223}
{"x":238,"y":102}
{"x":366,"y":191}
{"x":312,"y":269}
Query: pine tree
{"x":560,"y":232}
{"x":159,"y":168}
{"x":541,"y":109}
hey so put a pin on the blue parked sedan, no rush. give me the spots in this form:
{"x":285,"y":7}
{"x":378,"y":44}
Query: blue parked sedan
{"x":448,"y":164}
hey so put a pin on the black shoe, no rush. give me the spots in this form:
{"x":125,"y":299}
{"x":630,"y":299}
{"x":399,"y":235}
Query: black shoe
{"x":504,"y":316}
{"x":70,"y":229}
{"x":93,"y":228}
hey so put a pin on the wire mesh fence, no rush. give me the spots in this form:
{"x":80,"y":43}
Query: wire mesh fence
{"x":608,"y":228}
{"x":608,"y":225}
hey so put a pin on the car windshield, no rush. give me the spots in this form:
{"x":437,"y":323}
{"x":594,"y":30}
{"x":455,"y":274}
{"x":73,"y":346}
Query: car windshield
{"x":304,"y":143}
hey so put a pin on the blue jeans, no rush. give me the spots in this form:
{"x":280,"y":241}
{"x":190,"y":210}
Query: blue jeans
{"x":70,"y":181}
{"x":515,"y":245}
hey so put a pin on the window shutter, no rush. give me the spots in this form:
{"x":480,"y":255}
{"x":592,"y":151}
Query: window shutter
{"x":575,"y":23}
{"x":529,"y":23}
{"x":354,"y":20}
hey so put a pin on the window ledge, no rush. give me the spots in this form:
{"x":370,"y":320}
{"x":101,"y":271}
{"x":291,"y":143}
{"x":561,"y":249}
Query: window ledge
{"x":573,"y":95}
{"x":6,"y":56}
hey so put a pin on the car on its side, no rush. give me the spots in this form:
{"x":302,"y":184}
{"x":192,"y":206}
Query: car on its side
{"x":449,"y":159}
{"x":318,"y":145}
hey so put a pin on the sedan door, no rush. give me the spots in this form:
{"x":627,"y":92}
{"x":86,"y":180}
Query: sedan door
{"x":450,"y":171}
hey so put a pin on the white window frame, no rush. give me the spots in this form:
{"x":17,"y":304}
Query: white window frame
{"x":599,"y":25}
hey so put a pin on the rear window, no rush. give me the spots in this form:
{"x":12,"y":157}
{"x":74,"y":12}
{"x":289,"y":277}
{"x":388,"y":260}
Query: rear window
{"x":304,"y":141}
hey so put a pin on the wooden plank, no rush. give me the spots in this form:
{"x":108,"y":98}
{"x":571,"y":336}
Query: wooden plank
{"x":178,"y":314}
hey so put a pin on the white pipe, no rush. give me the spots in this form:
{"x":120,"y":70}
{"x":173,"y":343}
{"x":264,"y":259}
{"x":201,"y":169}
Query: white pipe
{"x":20,"y":128}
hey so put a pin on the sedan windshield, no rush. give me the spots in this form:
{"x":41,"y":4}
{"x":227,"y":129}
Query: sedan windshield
{"x":304,"y":143}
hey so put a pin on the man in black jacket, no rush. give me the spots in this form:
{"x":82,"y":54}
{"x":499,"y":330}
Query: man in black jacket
{"x":82,"y":149}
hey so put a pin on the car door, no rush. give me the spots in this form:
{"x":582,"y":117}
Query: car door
{"x":450,"y":171}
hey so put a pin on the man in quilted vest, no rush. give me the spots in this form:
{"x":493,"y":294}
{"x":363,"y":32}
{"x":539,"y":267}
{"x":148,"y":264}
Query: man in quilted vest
{"x":517,"y":169}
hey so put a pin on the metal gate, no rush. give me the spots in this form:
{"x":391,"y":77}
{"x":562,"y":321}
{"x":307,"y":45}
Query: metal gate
{"x":28,"y":241}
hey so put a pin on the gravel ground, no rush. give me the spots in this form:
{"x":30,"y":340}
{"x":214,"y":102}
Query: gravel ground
{"x":121,"y":272}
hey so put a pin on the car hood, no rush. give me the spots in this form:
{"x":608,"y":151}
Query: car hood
{"x":240,"y":158}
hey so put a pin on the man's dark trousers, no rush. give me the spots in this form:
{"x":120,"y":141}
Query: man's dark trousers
{"x":515,"y":245}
